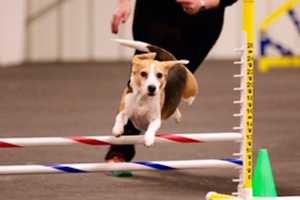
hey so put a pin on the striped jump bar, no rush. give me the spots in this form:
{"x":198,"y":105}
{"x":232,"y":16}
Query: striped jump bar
{"x":109,"y":140}
{"x":132,"y":166}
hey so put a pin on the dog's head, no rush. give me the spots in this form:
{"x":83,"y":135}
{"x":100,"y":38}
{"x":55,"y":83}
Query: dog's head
{"x":148,"y":75}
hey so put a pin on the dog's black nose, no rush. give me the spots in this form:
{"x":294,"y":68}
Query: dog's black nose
{"x":151,"y":88}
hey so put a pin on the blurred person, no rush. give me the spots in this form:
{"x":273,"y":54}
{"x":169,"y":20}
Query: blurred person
{"x":186,"y":28}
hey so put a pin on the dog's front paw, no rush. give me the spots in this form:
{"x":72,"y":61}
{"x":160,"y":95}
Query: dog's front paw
{"x":117,"y":130}
{"x":149,"y":140}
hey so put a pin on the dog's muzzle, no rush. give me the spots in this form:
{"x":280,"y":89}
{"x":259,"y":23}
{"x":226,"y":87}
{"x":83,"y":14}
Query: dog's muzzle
{"x":151,"y":90}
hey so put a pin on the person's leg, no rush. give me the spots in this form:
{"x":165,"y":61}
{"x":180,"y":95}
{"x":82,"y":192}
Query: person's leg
{"x":198,"y":36}
{"x":125,"y":152}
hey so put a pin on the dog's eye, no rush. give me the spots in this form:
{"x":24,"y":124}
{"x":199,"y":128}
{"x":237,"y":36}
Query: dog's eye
{"x":144,"y":74}
{"x":159,"y":75}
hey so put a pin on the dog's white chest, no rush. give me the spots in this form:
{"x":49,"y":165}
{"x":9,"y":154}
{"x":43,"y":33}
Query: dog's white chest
{"x":144,"y":111}
{"x":141,"y":117}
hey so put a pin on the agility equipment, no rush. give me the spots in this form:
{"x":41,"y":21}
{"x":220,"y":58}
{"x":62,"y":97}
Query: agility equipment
{"x":287,"y":58}
{"x":103,"y":167}
{"x":109,"y":140}
{"x":247,"y":76}
{"x":244,"y":189}
{"x":263,"y":180}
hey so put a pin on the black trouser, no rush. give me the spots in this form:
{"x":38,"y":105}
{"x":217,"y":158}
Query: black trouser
{"x":163,"y":23}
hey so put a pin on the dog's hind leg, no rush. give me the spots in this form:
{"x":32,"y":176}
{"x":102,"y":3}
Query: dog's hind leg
{"x":191,"y":88}
{"x":177,"y":116}
{"x":189,"y":100}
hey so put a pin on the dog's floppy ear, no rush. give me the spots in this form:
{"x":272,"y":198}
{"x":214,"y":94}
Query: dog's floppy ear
{"x":168,"y":64}
{"x":140,"y":57}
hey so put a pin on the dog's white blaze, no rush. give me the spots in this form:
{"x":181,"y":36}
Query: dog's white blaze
{"x":152,"y":79}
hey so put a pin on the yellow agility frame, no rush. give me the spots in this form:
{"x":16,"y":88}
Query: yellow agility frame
{"x":282,"y":10}
{"x":265,"y":63}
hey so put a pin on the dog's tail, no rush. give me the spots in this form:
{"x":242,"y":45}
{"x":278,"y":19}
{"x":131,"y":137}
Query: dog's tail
{"x":141,"y":46}
{"x":161,"y":54}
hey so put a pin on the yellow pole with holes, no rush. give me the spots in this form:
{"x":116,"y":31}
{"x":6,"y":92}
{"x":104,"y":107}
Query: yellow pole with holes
{"x":245,"y":192}
{"x":248,"y":28}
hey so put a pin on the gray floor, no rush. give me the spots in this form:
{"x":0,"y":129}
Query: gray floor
{"x":67,"y":100}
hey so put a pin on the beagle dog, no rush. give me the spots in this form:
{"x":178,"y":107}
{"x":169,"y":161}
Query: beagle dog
{"x":158,"y":83}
